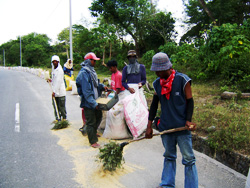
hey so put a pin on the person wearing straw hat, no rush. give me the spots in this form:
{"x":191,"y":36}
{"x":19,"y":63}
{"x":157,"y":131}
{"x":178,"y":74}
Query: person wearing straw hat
{"x":58,"y":89}
{"x":133,"y":73}
{"x":89,"y":89}
{"x":173,"y":90}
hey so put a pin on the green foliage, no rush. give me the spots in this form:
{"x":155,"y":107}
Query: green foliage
{"x":35,"y":51}
{"x":82,"y":40}
{"x":147,"y":58}
{"x":170,"y":48}
{"x":128,"y":15}
{"x":64,"y":39}
{"x":111,"y":156}
{"x":228,"y":53}
{"x":60,"y":124}
{"x":134,"y":18}
{"x":220,"y":12}
{"x":184,"y":58}
{"x":159,"y":31}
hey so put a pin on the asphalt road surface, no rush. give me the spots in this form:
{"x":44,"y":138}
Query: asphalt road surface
{"x":34,"y":156}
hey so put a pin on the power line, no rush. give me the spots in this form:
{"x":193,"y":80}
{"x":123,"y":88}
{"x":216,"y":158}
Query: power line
{"x":52,"y":11}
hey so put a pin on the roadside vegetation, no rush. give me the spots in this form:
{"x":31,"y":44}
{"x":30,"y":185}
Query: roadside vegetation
{"x":214,"y":52}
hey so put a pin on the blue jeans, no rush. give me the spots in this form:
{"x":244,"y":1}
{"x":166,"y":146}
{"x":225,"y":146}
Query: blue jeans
{"x":188,"y":159}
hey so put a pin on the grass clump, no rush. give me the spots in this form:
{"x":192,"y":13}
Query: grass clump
{"x":111,"y":156}
{"x":60,"y":124}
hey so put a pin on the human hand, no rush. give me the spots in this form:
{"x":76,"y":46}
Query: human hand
{"x":53,"y":94}
{"x":149,"y":131}
{"x":106,"y":88}
{"x":131,"y":90}
{"x":49,"y":80}
{"x":190,"y":126}
{"x":140,"y":85}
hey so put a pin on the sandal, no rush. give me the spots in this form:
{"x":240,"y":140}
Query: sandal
{"x":95,"y":145}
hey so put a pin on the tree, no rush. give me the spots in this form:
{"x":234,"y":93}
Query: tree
{"x":105,"y":37}
{"x":12,"y":52}
{"x":82,"y":39}
{"x":161,"y":25}
{"x":202,"y":13}
{"x":204,"y":6}
{"x":127,"y":14}
{"x":63,"y":37}
{"x":36,"y":49}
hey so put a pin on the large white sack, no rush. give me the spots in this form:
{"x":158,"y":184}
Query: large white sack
{"x":103,"y":122}
{"x":122,"y":95}
{"x":116,"y":127}
{"x":39,"y":72}
{"x":42,"y":74}
{"x":46,"y":75}
{"x":136,"y":88}
{"x":136,"y":114}
{"x":74,"y":88}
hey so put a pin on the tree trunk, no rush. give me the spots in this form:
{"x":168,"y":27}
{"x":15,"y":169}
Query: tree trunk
{"x":110,"y":50}
{"x":103,"y":55}
{"x":67,"y":51}
{"x":230,"y":95}
{"x":204,"y":6}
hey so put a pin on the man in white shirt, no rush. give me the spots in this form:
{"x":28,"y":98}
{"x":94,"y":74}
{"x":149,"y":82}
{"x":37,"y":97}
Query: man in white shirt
{"x":58,"y":88}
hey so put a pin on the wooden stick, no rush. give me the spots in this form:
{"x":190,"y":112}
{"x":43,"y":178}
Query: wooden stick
{"x":54,"y":100}
{"x":161,"y":133}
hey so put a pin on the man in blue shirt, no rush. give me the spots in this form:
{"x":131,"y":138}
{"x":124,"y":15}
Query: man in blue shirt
{"x":89,"y":89}
{"x":173,"y":90}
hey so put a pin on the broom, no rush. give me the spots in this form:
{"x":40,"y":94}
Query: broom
{"x":111,"y":154}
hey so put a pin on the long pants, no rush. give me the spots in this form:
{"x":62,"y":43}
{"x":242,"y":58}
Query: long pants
{"x":93,"y":120}
{"x":83,"y":117}
{"x":60,"y":102}
{"x":188,"y":159}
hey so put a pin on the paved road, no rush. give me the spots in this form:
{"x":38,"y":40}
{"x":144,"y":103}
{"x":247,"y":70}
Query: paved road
{"x":32,"y":155}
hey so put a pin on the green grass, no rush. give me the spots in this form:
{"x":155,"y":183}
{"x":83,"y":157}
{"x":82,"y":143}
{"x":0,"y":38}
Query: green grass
{"x":224,"y":122}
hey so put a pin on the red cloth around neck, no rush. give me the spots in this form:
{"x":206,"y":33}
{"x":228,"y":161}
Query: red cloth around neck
{"x":166,"y":85}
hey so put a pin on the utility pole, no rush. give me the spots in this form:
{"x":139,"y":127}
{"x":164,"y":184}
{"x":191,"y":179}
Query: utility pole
{"x":3,"y":58}
{"x":70,"y":32}
{"x":20,"y":52}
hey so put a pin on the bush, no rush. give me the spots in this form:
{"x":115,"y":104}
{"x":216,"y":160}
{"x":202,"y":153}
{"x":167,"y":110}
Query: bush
{"x":147,"y":58}
{"x":225,"y":55}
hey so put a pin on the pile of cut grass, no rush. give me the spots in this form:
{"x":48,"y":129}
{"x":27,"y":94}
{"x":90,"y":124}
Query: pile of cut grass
{"x":60,"y":124}
{"x":111,"y":156}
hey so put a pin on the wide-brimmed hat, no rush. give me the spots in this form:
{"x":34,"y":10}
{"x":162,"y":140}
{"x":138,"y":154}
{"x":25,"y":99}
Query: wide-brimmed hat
{"x":160,"y":62}
{"x":131,"y":53}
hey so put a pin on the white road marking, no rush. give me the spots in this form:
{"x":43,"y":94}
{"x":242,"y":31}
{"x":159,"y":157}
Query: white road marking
{"x":17,"y":118}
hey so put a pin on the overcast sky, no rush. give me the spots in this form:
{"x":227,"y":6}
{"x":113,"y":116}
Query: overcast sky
{"x":21,"y":17}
